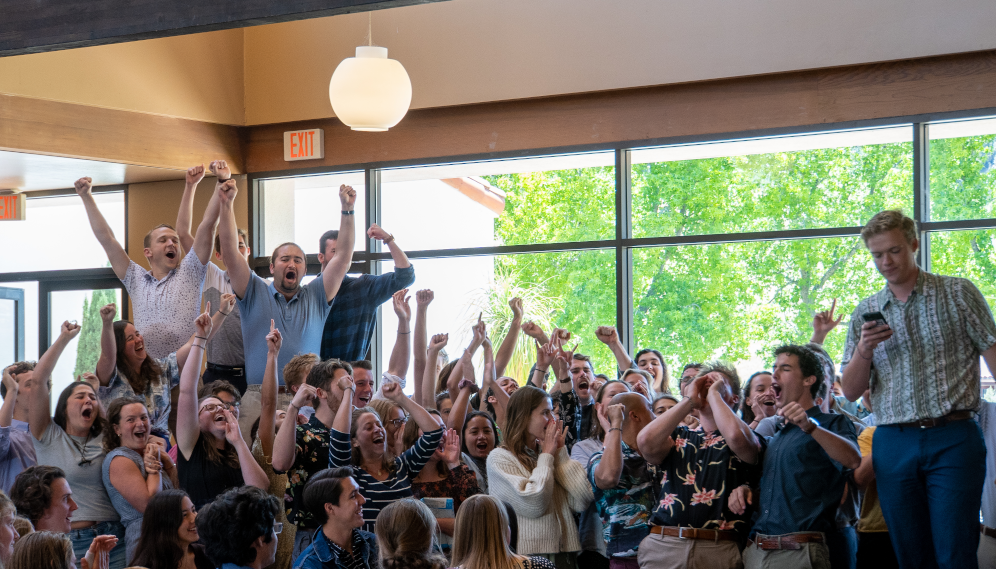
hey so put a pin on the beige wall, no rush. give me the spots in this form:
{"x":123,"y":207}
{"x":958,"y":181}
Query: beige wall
{"x":469,"y":51}
{"x":197,"y":77}
{"x":155,"y":203}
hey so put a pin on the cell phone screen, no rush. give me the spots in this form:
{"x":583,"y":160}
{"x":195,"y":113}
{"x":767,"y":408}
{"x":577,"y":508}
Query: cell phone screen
{"x":877,"y":317}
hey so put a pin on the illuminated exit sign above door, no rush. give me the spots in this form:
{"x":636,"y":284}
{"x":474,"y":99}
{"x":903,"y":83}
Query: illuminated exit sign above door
{"x":304,"y":144}
{"x":12,"y":208}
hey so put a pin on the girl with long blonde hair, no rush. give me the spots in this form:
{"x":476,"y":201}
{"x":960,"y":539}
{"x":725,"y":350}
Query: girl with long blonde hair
{"x":481,"y":540}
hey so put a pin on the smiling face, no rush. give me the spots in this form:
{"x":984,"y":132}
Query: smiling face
{"x":288,"y":268}
{"x":187,"y":532}
{"x":649,"y":363}
{"x":395,"y":429}
{"x":8,"y":536}
{"x":134,"y":346}
{"x":81,"y":408}
{"x":582,"y":375}
{"x":894,"y":256}
{"x":370,"y":436}
{"x":762,"y":392}
{"x":663,"y":405}
{"x":211,"y":417}
{"x":234,"y":405}
{"x":133,"y":427}
{"x":788,"y":383}
{"x":363,"y":380}
{"x":507,"y":384}
{"x":164,"y":248}
{"x":480,"y":437}
{"x":59,"y":514}
{"x":445,"y":406}
{"x":349,"y":511}
{"x":637,"y":383}
{"x":540,"y":417}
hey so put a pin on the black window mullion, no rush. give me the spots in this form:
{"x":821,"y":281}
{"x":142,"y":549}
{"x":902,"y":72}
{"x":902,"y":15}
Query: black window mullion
{"x":921,"y":190}
{"x":624,"y":254}
{"x":373,"y":214}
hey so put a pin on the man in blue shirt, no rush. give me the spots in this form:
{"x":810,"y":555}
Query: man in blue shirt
{"x":805,"y":466}
{"x":351,"y":322}
{"x":238,"y":529}
{"x":335,"y":500}
{"x":17,"y":450}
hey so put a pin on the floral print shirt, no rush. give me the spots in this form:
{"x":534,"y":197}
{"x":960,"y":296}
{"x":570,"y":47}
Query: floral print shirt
{"x":625,"y":509}
{"x":459,"y":484}
{"x":697,"y":477}
{"x":311,"y":456}
{"x":157,"y":395}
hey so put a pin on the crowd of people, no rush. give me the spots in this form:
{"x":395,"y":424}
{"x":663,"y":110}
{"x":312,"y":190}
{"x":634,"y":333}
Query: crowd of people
{"x":234,"y":423}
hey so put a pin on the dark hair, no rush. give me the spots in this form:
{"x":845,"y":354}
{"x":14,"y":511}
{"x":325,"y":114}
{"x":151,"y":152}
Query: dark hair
{"x":19,"y":368}
{"x":59,"y":418}
{"x":217,"y":386}
{"x":147,"y":242}
{"x":323,"y":373}
{"x":745,"y":410}
{"x":442,"y":396}
{"x":330,"y":235}
{"x":809,"y":364}
{"x":112,"y":440}
{"x":32,"y":490}
{"x":387,"y":461}
{"x":362,"y":364}
{"x":726,"y":369}
{"x":410,"y":436}
{"x":595,"y":431}
{"x":691,"y":365}
{"x":444,"y":375}
{"x":239,"y":233}
{"x":230,"y":524}
{"x":148,"y":373}
{"x":666,"y":375}
{"x":325,"y":487}
{"x":159,"y":547}
{"x":583,"y":358}
{"x":463,"y":432}
{"x":273,"y":255}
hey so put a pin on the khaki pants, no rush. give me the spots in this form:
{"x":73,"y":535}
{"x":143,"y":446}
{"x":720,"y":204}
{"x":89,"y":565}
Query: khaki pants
{"x":987,"y":552}
{"x":667,"y":552}
{"x":809,"y":555}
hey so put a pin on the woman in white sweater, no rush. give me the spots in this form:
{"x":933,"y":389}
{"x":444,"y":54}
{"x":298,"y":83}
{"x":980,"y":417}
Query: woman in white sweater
{"x":533,"y":473}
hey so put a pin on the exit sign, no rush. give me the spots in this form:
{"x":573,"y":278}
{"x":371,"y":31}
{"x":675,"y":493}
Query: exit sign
{"x":304,"y":144}
{"x":12,"y":208}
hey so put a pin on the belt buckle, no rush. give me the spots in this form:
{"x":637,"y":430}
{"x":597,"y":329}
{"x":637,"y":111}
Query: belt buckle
{"x":681,"y":531}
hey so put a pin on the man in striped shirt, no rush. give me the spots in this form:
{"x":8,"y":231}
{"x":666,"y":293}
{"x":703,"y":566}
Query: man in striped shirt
{"x":922,"y":367}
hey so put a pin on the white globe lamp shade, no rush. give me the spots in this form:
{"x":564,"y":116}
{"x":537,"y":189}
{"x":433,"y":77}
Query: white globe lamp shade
{"x":370,"y":92}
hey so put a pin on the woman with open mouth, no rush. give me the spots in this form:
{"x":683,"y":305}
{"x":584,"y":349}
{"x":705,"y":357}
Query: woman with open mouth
{"x":759,"y":401}
{"x":212,"y":456}
{"x":125,"y":368}
{"x":169,"y":534}
{"x":73,"y":441}
{"x":479,"y":437}
{"x":358,"y":439}
{"x":136,"y":468}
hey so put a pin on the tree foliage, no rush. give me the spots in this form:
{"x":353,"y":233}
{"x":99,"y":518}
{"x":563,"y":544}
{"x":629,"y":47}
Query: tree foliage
{"x":88,"y":346}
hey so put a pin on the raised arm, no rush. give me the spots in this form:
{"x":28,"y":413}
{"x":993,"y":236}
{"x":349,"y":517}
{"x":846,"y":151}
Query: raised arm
{"x":337,"y":268}
{"x":837,"y":447}
{"x":534,"y":331}
{"x":227,"y":300}
{"x":654,"y":440}
{"x":204,"y":240}
{"x":101,"y":230}
{"x":420,"y":339}
{"x":422,"y":418}
{"x":466,"y":360}
{"x":739,"y":436}
{"x":108,"y":345}
{"x":609,"y":468}
{"x":610,"y":337}
{"x":188,"y":429}
{"x":428,"y":388}
{"x":545,"y":355}
{"x":507,"y":347}
{"x":268,"y":393}
{"x":40,"y":414}
{"x":186,"y":212}
{"x":400,"y":355}
{"x":285,"y":445}
{"x":458,"y":414}
{"x":227,"y":304}
{"x":10,"y":401}
{"x":236,"y":265}
{"x":397,"y":254}
{"x":823,"y":323}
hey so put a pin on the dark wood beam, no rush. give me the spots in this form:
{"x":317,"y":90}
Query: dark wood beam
{"x":34,"y":26}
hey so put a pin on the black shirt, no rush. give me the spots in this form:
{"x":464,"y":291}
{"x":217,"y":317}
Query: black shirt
{"x":802,"y":486}
{"x":203,"y":479}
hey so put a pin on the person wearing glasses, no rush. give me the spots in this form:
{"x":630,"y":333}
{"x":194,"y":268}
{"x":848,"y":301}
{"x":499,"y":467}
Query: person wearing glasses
{"x":300,"y":451}
{"x":238,"y":528}
{"x":212,"y":455}
{"x":72,"y":440}
{"x":394,"y":419}
{"x":125,"y":367}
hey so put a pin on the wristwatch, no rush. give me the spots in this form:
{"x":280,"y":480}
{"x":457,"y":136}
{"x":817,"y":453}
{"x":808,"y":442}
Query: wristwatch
{"x":812,"y":426}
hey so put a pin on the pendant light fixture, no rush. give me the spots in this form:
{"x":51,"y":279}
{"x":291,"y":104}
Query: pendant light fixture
{"x":370,"y":92}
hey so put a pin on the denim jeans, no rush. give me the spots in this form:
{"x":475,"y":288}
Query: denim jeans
{"x":81,"y":539}
{"x":930,"y":487}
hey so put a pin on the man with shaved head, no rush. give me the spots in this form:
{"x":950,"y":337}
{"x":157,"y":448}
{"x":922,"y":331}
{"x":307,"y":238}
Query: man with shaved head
{"x":622,"y":483}
{"x":692,"y":525}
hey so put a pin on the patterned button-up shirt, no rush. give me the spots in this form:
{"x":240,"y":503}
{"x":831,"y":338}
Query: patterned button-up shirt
{"x":311,"y":456}
{"x":157,"y":395}
{"x":930,"y":365}
{"x":624,"y":509}
{"x":165,"y":309}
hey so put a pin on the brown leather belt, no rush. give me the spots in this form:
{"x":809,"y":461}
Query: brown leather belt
{"x":987,"y":531}
{"x":938,"y":422}
{"x":789,"y":541}
{"x":695,"y":533}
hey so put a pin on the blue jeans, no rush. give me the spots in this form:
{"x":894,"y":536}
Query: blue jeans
{"x":930,"y":487}
{"x":82,"y":538}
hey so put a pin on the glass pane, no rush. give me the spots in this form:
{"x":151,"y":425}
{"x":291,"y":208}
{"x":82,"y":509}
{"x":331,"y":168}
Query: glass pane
{"x":8,"y":331}
{"x":504,"y":202}
{"x":30,"y":289}
{"x":772,"y":184}
{"x":738,"y":301}
{"x":962,"y":182}
{"x":573,"y":290}
{"x":81,"y":354}
{"x":44,"y":237}
{"x":302,"y":208}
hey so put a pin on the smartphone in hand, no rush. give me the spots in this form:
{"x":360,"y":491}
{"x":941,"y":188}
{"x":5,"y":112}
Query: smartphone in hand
{"x":877,"y":317}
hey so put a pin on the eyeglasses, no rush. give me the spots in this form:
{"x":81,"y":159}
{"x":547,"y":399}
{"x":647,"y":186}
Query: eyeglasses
{"x":213,"y":407}
{"x":278,"y":527}
{"x":399,"y":422}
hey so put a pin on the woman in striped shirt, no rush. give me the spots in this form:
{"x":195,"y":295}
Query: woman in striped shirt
{"x":358,"y":439}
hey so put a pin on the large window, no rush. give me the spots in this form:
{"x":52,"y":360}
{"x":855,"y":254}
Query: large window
{"x":301,"y":209}
{"x":962,"y":176}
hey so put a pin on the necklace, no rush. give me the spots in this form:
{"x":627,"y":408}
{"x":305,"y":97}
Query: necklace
{"x":83,"y":460}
